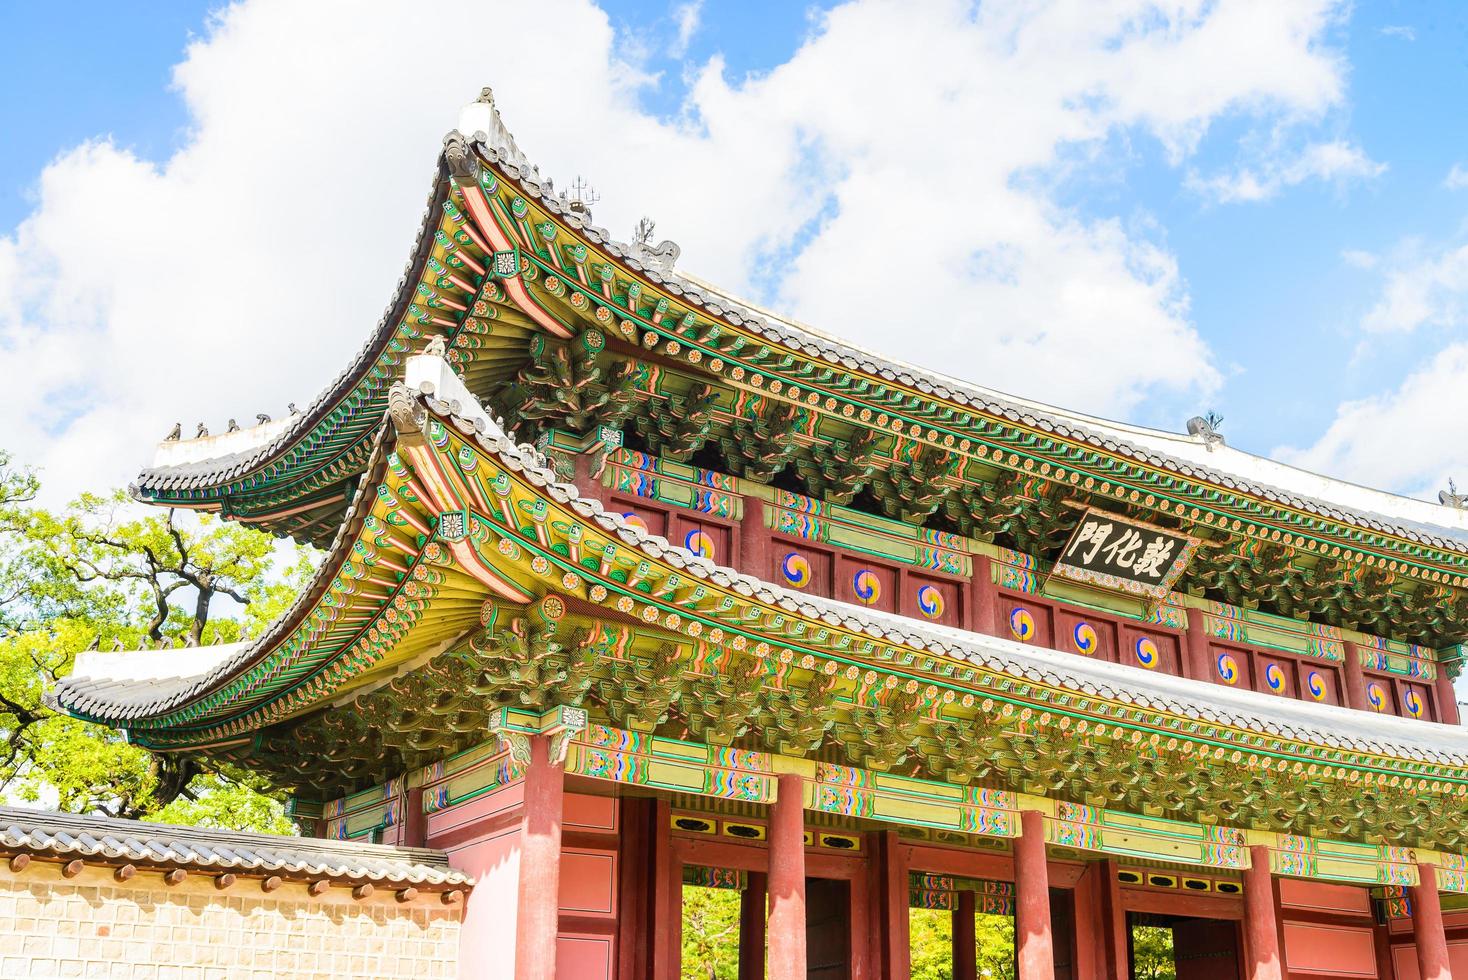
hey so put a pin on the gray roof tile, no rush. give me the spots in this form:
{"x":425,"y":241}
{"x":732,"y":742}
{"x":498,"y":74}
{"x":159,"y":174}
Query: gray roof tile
{"x":109,"y":840}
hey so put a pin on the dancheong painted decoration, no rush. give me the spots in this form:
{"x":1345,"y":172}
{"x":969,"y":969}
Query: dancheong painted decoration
{"x":631,"y":588}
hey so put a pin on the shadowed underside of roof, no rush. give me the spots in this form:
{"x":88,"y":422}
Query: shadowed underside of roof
{"x":96,"y":691}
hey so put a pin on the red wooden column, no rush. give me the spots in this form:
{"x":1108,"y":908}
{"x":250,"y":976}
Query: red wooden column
{"x":1090,"y":918}
{"x":965,"y":950}
{"x":1355,"y":680}
{"x":1261,"y":921}
{"x":754,"y":540}
{"x":1447,"y":700}
{"x":752,"y":928}
{"x":538,"y":919}
{"x":667,"y":898}
{"x":1195,"y":648}
{"x":786,"y":930}
{"x":986,"y":597}
{"x":1427,"y":928}
{"x":415,"y":821}
{"x":1115,"y":937}
{"x":891,"y":939}
{"x":1033,"y":942}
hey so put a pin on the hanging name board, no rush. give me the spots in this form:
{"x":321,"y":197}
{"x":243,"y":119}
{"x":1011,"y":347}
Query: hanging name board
{"x":1124,"y":555}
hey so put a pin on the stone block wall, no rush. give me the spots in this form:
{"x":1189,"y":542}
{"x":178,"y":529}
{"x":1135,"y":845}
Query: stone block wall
{"x":142,"y":929}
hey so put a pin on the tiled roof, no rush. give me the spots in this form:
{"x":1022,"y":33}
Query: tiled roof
{"x":1320,"y":724}
{"x":111,"y":841}
{"x":210,"y":472}
{"x":509,"y":158}
{"x":435,"y":387}
{"x":100,"y":686}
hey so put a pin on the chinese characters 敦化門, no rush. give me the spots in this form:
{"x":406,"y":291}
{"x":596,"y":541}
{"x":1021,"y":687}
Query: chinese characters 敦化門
{"x":1110,"y":551}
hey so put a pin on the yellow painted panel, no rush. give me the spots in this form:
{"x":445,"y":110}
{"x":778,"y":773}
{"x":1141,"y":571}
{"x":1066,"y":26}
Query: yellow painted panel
{"x":472,"y":782}
{"x":668,"y":748}
{"x":364,"y":820}
{"x":673,"y":776}
{"x":1155,"y":825}
{"x":919,"y":787}
{"x":1346,"y":869}
{"x":914,"y":811}
{"x":1347,"y":850}
{"x":1121,"y":841}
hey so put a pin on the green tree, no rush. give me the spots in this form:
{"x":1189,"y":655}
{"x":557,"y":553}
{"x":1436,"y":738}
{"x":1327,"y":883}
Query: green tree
{"x":710,"y":933}
{"x":931,"y":945}
{"x":1152,"y":954}
{"x":107,"y":574}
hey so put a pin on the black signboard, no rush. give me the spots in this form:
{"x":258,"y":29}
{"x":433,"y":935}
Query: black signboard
{"x":1124,"y":555}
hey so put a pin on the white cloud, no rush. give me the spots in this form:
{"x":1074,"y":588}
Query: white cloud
{"x":1337,"y":161}
{"x":1421,"y":290}
{"x":1412,"y":439}
{"x":1457,"y":177}
{"x":885,"y":205}
{"x":1402,"y":32}
{"x":1359,"y":259}
{"x":686,"y":18}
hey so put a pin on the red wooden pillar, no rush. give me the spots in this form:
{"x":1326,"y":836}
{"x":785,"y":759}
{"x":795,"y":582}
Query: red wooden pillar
{"x":985,"y":596}
{"x":1447,"y":699}
{"x":1195,"y":649}
{"x":667,"y":901}
{"x":1034,"y":944}
{"x":893,"y":927}
{"x":1090,"y":919}
{"x":1381,"y":940}
{"x":752,"y":928}
{"x":1115,"y":937}
{"x":1427,"y":928}
{"x":415,"y":821}
{"x":1355,"y":680}
{"x":1261,"y":925}
{"x":538,"y":919}
{"x":754,"y":540}
{"x":787,"y":880}
{"x":636,"y":911}
{"x":965,"y":948}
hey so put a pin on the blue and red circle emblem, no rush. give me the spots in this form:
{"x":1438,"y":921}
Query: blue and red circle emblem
{"x":699,"y":543}
{"x":1315,"y":684}
{"x":1376,"y":696}
{"x":867,"y":586}
{"x":1228,"y":669}
{"x":795,"y":569}
{"x":1022,"y":624}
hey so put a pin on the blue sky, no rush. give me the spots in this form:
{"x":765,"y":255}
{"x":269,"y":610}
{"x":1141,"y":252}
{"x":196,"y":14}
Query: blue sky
{"x":1272,"y":306}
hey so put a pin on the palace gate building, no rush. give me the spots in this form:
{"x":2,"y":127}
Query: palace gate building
{"x":630,"y":586}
